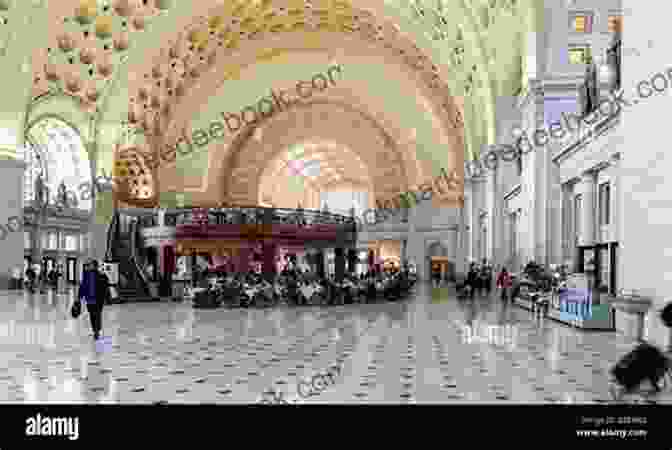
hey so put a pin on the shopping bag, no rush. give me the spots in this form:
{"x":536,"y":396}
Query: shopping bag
{"x":76,"y":309}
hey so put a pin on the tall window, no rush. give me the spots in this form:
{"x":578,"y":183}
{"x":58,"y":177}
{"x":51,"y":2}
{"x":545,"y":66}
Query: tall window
{"x":605,"y":199}
{"x":577,"y":215}
{"x":581,"y":22}
{"x":55,"y":150}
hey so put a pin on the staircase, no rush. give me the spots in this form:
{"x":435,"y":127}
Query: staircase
{"x":122,"y":245}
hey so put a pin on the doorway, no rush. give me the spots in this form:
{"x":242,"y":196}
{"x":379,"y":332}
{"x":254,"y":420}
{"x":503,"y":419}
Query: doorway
{"x":443,"y":265}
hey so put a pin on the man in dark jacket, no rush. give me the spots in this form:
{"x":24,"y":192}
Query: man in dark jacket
{"x":95,"y":289}
{"x":472,"y":280}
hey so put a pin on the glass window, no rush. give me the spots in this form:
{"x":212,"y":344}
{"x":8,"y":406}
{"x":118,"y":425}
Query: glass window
{"x":45,"y":239}
{"x":604,"y":198}
{"x":615,"y":23}
{"x":578,"y":54}
{"x":581,"y":22}
{"x":71,"y":243}
{"x":26,"y":240}
{"x":55,"y":150}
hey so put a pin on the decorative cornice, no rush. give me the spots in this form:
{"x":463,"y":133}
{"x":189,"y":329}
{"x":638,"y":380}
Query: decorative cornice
{"x":599,"y":129}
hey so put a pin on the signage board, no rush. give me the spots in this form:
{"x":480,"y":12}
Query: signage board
{"x":112,"y":272}
{"x":575,"y":303}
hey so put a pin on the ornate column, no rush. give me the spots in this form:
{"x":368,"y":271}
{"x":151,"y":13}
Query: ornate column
{"x":462,"y":243}
{"x":270,"y":251}
{"x":587,"y":188}
{"x":497,"y":226}
{"x":339,"y":260}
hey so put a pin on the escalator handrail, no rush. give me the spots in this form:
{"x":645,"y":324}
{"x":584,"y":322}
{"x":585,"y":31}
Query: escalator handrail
{"x":111,"y":244}
{"x":134,"y":261}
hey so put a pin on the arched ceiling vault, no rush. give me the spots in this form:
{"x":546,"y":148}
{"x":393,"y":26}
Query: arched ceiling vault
{"x":316,"y":121}
{"x":378,"y":120}
{"x":475,"y":47}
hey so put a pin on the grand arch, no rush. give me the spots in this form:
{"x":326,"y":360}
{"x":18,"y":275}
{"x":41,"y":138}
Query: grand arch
{"x":468,"y":44}
{"x":326,"y":121}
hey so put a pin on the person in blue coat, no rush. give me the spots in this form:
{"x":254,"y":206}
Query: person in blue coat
{"x":95,"y":290}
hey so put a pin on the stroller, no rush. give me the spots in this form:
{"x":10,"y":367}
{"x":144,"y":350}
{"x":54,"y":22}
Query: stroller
{"x":645,"y":362}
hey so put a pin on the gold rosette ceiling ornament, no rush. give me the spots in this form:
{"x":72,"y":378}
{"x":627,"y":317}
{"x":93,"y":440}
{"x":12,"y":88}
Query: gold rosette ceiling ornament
{"x":86,"y":12}
{"x":104,"y":27}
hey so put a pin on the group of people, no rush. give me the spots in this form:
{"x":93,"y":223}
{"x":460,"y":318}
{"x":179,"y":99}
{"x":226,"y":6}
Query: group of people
{"x":480,"y":277}
{"x":300,"y":287}
{"x":44,"y":280}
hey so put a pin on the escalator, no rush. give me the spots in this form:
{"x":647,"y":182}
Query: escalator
{"x":122,"y":248}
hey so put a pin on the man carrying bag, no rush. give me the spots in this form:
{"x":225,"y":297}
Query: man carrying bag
{"x":95,"y":290}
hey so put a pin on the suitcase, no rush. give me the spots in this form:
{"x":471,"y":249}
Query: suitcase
{"x":645,"y":362}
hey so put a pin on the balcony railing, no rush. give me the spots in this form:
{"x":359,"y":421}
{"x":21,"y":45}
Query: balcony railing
{"x":253,"y":215}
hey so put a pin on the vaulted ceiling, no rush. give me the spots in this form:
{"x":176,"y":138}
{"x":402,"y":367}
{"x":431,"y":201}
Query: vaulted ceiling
{"x":154,"y":68}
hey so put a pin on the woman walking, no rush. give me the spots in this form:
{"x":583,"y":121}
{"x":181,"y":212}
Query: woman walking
{"x":95,"y":290}
{"x":504,"y":283}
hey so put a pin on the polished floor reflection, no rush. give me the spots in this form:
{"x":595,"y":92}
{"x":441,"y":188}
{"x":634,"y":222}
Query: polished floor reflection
{"x":430,"y":349}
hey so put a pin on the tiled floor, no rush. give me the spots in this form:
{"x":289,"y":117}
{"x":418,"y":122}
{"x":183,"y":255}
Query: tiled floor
{"x":410,"y":352}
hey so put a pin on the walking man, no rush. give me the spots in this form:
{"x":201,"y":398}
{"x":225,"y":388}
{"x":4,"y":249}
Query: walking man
{"x":95,"y":290}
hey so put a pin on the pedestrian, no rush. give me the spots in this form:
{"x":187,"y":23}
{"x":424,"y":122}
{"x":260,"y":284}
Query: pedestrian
{"x":95,"y":290}
{"x":60,"y":281}
{"x":472,"y":280}
{"x":504,"y":283}
{"x":30,"y":278}
{"x":483,"y":279}
{"x":51,"y":279}
{"x":42,"y":280}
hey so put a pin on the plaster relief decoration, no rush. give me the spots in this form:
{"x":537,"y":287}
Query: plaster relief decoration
{"x":94,"y":37}
{"x":224,"y":33}
{"x":90,"y":46}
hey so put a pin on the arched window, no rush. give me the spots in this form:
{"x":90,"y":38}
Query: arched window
{"x":55,"y":150}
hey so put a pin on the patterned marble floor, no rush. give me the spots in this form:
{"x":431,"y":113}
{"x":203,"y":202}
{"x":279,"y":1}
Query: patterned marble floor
{"x":410,"y":352}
